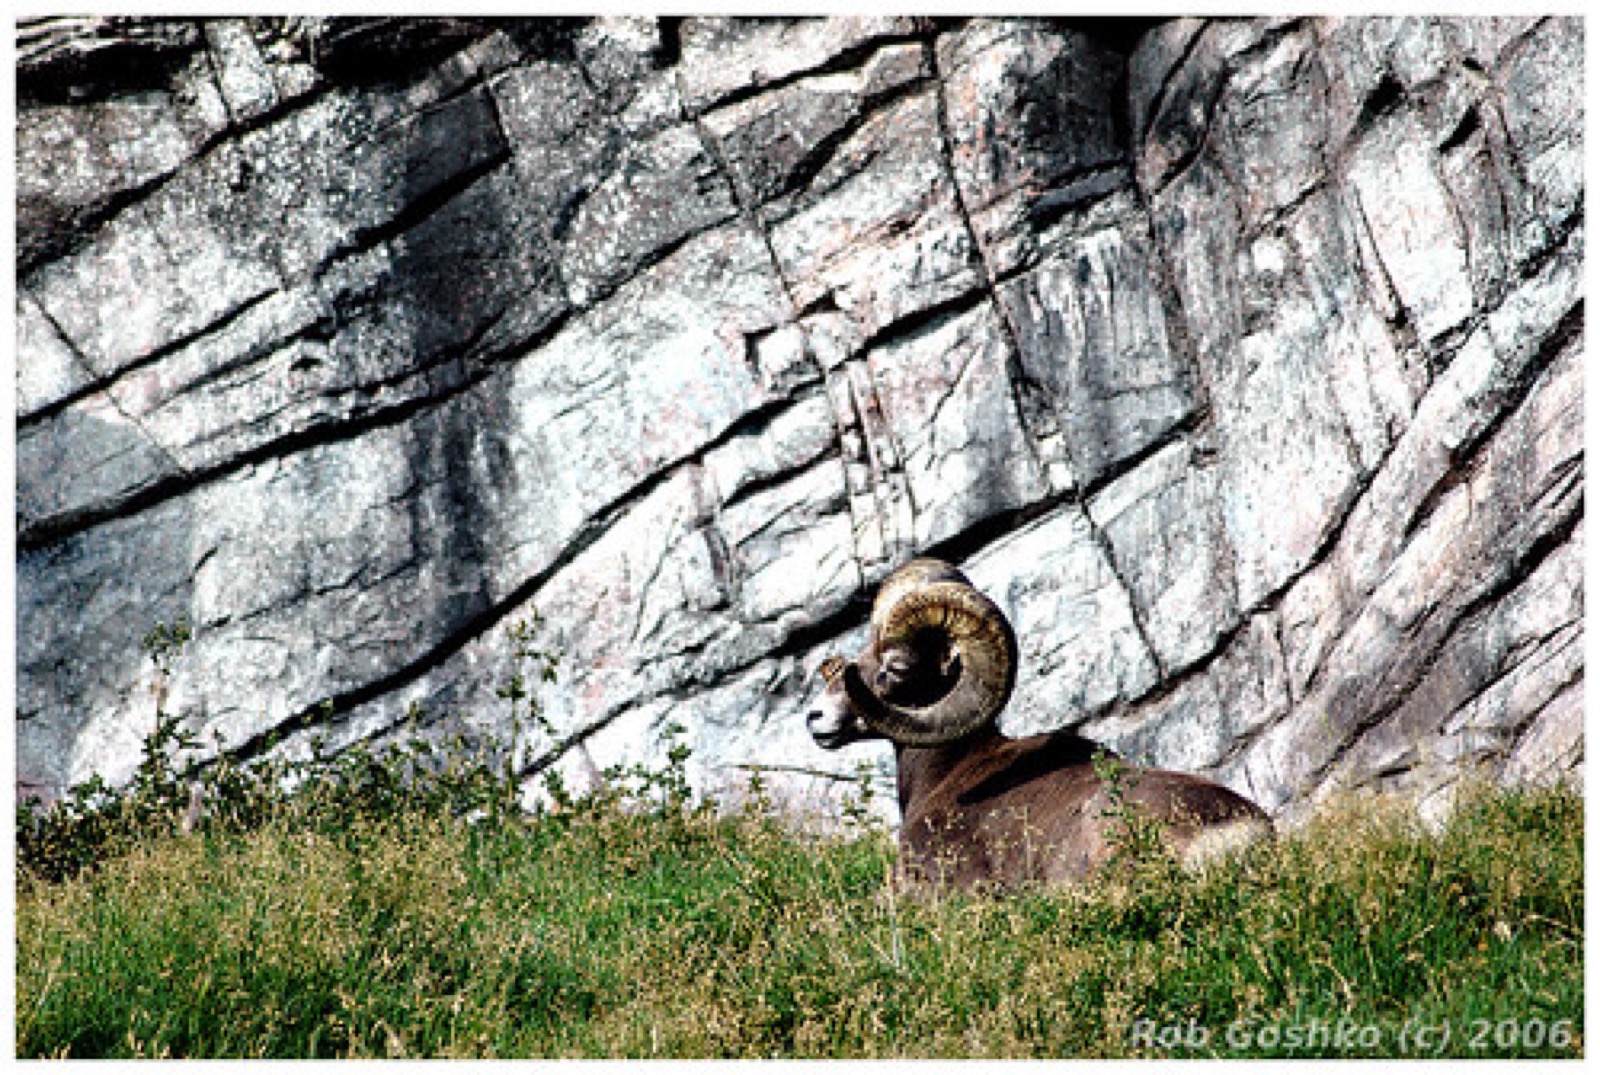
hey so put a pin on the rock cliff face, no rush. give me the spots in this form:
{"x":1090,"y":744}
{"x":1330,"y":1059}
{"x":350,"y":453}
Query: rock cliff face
{"x":1240,"y":361}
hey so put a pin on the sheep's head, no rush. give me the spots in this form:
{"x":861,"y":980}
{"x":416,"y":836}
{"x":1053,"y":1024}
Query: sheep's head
{"x":939,"y":665}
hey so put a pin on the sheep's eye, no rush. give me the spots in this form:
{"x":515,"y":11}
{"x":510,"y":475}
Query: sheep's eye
{"x":883,"y":677}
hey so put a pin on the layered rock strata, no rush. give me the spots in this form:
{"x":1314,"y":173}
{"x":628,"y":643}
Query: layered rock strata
{"x":1240,"y":361}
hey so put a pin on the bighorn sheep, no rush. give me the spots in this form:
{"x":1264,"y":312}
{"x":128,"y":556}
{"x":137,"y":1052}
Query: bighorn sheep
{"x":977,"y":808}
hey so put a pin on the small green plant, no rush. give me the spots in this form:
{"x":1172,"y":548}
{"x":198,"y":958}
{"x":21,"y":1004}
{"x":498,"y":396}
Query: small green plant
{"x":858,"y":806}
{"x":757,"y":801}
{"x":666,"y":787}
{"x":164,"y":644}
{"x":1136,"y":838}
{"x":531,"y":666}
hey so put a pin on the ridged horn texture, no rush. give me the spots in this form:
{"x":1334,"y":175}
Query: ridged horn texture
{"x":906,"y":579}
{"x":927,"y":595}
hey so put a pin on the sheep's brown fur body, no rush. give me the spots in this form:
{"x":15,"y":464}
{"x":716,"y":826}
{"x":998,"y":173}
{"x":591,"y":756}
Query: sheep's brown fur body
{"x":991,"y":810}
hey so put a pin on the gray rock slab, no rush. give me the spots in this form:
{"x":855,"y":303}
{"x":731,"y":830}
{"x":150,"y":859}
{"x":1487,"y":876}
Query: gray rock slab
{"x":1241,"y":364}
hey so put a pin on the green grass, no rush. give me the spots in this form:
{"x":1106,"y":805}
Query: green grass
{"x":663,"y":929}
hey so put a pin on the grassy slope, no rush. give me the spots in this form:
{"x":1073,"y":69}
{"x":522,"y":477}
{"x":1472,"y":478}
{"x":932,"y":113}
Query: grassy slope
{"x":680,"y":934}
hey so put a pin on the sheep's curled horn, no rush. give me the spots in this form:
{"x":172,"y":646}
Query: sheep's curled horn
{"x":931,"y":596}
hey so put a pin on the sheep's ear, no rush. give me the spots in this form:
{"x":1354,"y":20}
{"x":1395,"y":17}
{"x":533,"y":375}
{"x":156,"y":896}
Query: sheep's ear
{"x":831,"y":669}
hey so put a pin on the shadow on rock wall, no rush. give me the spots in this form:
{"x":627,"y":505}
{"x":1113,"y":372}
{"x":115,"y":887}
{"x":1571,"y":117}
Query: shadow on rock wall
{"x":84,"y":607}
